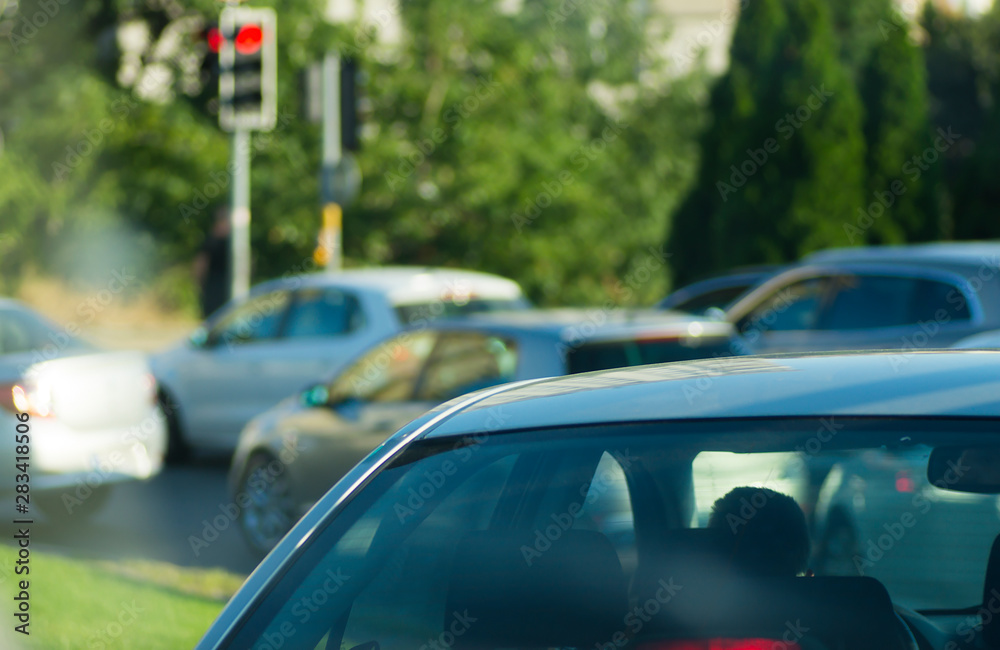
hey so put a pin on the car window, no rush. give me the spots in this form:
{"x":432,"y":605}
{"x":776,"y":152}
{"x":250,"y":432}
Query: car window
{"x":257,"y":319}
{"x":413,"y":581}
{"x":22,"y":331}
{"x":322,"y":312}
{"x":795,"y":307}
{"x":870,"y":301}
{"x":17,"y":334}
{"x":415,"y":313}
{"x":467,"y":361}
{"x":619,"y":354}
{"x":940,"y":301}
{"x":606,"y":507}
{"x":720,"y":298}
{"x":389,"y":372}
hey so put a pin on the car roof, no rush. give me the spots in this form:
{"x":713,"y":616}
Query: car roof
{"x":406,"y":284}
{"x":852,"y":384}
{"x":942,"y":252}
{"x":588,"y":324}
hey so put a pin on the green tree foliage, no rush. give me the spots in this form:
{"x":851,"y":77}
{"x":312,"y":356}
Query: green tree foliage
{"x":782,"y":159}
{"x":969,"y":98}
{"x":510,"y":142}
{"x":901,"y":176}
{"x":524,"y":145}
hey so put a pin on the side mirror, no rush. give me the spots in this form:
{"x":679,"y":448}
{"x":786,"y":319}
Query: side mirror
{"x":715,"y":314}
{"x":318,"y":395}
{"x":198,"y":338}
{"x":965,"y":469}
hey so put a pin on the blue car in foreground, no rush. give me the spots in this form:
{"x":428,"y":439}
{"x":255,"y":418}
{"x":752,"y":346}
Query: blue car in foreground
{"x":570,"y":513}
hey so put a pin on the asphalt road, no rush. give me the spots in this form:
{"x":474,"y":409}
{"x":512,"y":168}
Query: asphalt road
{"x":177,"y":517}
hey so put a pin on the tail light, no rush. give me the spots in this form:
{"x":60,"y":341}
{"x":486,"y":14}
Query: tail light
{"x":33,"y":396}
{"x":904,"y":482}
{"x":721,"y":644}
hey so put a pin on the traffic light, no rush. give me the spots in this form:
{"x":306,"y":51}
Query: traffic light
{"x":247,"y":69}
{"x":209,"y":69}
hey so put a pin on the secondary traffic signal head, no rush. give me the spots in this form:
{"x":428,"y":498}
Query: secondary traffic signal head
{"x":247,"y":69}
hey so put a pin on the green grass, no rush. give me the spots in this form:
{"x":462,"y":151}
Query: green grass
{"x":96,"y":605}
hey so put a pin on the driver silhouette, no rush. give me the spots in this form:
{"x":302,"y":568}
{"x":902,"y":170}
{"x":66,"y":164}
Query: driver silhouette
{"x":770,"y":537}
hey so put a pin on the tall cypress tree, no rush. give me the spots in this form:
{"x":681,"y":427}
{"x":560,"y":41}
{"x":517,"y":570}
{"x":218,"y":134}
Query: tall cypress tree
{"x":782,"y":158}
{"x":902,"y":201}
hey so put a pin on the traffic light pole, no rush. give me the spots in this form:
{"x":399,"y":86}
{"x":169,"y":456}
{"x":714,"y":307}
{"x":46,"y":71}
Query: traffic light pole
{"x":247,"y":101}
{"x":330,"y":253}
{"x":239,"y":214}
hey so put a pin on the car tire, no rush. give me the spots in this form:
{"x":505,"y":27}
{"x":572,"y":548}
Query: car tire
{"x":69,"y":505}
{"x":270,"y":512}
{"x":178,"y":450}
{"x":838,"y":548}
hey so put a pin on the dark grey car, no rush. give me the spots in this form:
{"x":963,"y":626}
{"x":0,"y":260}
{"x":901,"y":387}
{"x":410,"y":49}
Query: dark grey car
{"x":889,"y":297}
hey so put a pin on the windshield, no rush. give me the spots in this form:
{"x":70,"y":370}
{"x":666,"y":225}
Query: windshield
{"x":23,"y":331}
{"x":601,"y":511}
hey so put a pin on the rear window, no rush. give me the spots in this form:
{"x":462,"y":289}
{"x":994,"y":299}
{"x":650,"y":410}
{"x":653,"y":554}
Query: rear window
{"x":424,"y":311}
{"x":619,"y":354}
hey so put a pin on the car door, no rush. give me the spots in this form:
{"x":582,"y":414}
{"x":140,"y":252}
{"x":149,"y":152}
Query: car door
{"x":367,"y":402}
{"x":225,"y":380}
{"x":267,"y":349}
{"x":325,"y":328}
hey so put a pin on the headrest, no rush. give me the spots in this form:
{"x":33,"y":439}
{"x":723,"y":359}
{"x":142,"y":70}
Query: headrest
{"x":851,"y":612}
{"x":715,"y":595}
{"x":991,"y":593}
{"x":527,"y":590}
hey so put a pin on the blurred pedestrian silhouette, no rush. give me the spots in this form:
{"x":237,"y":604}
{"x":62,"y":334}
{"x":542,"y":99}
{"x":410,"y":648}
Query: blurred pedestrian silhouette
{"x":770,"y":534}
{"x":211,"y":266}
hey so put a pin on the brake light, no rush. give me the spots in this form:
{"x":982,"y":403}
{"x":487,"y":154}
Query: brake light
{"x":721,"y":644}
{"x":34,"y":397}
{"x":904,"y":482}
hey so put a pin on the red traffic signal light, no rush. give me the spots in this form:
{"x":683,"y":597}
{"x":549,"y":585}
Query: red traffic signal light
{"x":214,"y":38}
{"x":249,"y":39}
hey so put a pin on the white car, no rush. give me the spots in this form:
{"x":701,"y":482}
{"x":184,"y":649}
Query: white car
{"x":295,"y":331}
{"x":75,"y":420}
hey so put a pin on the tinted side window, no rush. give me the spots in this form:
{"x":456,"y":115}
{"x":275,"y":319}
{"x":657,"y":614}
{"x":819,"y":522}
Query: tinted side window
{"x":415,"y":313}
{"x":795,"y":307}
{"x":404,"y":606}
{"x":720,"y":298}
{"x":871,"y":301}
{"x":322,"y":312}
{"x":257,"y":319}
{"x":866,"y":301}
{"x":464,"y":362}
{"x":932,"y":297}
{"x":620,"y":354}
{"x":387,"y":373}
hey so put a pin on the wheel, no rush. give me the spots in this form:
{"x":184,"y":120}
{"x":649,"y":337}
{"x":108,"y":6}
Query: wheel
{"x":839,"y":548}
{"x":72,"y":503}
{"x":271,"y":511}
{"x":178,"y":450}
